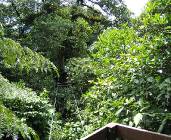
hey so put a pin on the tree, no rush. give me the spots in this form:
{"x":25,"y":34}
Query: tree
{"x":131,"y":82}
{"x":95,"y":65}
{"x":20,"y":107}
{"x":81,"y":26}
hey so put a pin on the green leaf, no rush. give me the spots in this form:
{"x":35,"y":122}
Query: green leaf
{"x":138,"y":118}
{"x":119,"y":111}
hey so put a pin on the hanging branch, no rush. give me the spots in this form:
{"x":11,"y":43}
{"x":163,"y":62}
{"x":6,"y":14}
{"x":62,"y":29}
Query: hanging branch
{"x":15,"y":9}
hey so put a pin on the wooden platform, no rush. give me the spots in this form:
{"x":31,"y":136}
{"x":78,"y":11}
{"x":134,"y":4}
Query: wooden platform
{"x":115,"y":131}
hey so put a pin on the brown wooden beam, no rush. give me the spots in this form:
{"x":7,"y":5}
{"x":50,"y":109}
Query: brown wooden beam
{"x":113,"y":131}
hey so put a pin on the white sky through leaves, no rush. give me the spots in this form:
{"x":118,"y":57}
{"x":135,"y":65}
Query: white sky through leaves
{"x":136,"y":6}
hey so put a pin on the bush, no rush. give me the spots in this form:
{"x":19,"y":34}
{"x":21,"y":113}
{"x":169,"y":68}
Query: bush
{"x":27,"y":105}
{"x":11,"y":126}
{"x":22,"y":63}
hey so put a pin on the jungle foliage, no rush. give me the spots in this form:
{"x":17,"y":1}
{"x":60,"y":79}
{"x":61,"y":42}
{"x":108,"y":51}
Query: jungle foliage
{"x":68,"y":67}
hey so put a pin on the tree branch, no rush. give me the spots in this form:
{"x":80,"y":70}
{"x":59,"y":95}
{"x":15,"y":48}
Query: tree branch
{"x":15,"y":9}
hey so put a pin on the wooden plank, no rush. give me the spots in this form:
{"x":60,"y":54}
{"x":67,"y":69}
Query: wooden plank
{"x":97,"y":135}
{"x":112,"y":130}
{"x":100,"y":134}
{"x":131,"y":133}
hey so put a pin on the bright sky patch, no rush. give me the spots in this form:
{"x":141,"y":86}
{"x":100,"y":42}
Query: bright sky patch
{"x":136,"y":6}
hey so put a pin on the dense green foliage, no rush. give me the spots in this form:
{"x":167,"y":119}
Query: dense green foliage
{"x":131,"y":68}
{"x":27,"y":105}
{"x":13,"y":126}
{"x":17,"y":62}
{"x":23,"y":59}
{"x":68,"y":68}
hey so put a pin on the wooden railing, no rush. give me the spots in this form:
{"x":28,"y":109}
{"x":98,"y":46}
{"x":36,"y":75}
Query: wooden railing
{"x":114,"y":131}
